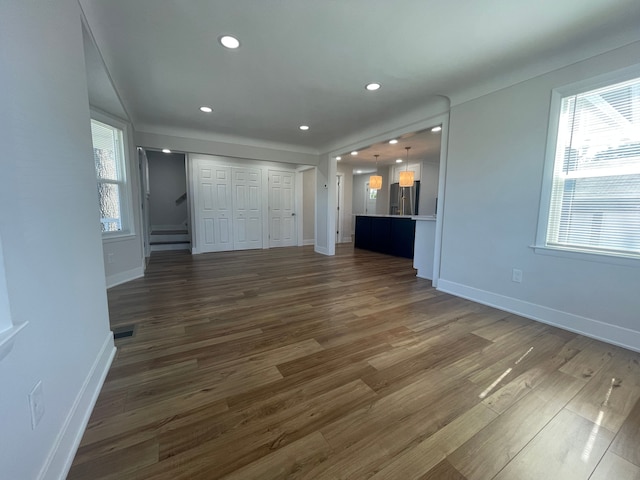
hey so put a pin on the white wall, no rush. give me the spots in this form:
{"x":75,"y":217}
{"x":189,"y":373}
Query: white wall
{"x":51,"y":239}
{"x":123,"y":256}
{"x":430,"y":171}
{"x":325,"y":205}
{"x":357,"y":195}
{"x":493,"y":181}
{"x":167,"y":183}
{"x":347,"y":188}
{"x":308,"y":206}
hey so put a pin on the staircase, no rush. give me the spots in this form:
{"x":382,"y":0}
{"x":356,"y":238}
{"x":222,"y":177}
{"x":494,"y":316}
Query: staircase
{"x":161,"y":240}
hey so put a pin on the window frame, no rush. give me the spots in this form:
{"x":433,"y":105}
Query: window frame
{"x":557,"y":95}
{"x":126,"y":205}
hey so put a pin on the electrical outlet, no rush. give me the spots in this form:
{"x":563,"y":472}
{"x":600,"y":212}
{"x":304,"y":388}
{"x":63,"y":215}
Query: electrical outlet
{"x":36,"y":403}
{"x":516,"y":275}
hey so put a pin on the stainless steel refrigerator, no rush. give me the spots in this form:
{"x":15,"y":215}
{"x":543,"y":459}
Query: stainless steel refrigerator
{"x":408,"y":206}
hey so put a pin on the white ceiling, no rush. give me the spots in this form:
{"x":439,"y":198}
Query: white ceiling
{"x":423,"y":145}
{"x":307,"y":61}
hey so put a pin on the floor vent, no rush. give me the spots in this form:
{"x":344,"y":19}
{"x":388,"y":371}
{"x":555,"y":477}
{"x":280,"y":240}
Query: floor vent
{"x":123,"y":332}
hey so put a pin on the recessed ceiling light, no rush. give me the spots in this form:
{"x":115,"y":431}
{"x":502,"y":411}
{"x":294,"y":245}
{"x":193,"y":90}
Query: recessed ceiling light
{"x":166,"y":150}
{"x":304,"y":127}
{"x":206,"y":109}
{"x":358,"y":171}
{"x":393,"y":142}
{"x":398,"y":160}
{"x":229,"y":42}
{"x":372,"y":87}
{"x":354,"y":153}
{"x":436,"y":129}
{"x":338,"y":158}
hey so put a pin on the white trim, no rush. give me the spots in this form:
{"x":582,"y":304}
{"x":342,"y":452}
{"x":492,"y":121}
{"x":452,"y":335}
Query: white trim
{"x":7,"y":338}
{"x":612,"y":258}
{"x":542,"y":229}
{"x":126,"y":199}
{"x":299,"y":208}
{"x":588,"y":327}
{"x":309,"y":241}
{"x":442,"y":182}
{"x":322,"y":250}
{"x":66,"y":445}
{"x":124,"y":277}
{"x":117,"y":238}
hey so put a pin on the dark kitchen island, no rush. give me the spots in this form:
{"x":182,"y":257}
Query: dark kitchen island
{"x":389,"y":234}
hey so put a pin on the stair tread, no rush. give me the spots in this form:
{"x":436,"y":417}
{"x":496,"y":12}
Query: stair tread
{"x":170,"y":232}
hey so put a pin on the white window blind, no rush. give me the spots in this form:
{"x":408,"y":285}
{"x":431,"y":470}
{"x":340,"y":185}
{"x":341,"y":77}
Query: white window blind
{"x":595,"y":194}
{"x":108,"y":153}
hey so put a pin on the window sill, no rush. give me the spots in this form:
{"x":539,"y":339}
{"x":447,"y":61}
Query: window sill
{"x":7,"y":337}
{"x":611,"y":259}
{"x":120,"y":237}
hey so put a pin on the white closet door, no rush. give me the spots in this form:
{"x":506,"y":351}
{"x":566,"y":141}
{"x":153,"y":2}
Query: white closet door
{"x":282,"y":220}
{"x":247,"y":215}
{"x":214,"y":208}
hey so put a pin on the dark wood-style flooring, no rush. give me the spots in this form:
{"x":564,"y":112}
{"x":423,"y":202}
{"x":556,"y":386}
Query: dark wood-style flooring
{"x":283,"y":363}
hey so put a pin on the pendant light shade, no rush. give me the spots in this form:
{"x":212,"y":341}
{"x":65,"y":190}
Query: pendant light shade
{"x":375,"y":181}
{"x":406,"y":177}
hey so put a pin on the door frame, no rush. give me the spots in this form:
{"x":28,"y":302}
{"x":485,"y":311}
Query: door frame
{"x":340,"y":207}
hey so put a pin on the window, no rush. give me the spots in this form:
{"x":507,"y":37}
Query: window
{"x":109,"y":157}
{"x":592,"y":199}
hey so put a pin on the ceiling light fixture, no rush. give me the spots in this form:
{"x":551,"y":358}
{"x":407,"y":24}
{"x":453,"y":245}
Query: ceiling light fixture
{"x":354,"y":153}
{"x":393,"y":141}
{"x":398,"y":160}
{"x":375,"y":181}
{"x":304,"y":127}
{"x":338,"y":158}
{"x":372,"y":87}
{"x":229,"y":42}
{"x":166,"y":150}
{"x":436,"y":129}
{"x":358,"y":171}
{"x":206,"y":109}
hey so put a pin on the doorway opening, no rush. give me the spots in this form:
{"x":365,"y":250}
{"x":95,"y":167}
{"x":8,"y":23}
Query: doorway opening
{"x":165,"y":202}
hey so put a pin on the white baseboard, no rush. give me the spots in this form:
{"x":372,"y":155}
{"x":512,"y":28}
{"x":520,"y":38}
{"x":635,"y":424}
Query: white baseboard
{"x":588,"y":327}
{"x":321,"y":250}
{"x":66,"y":445}
{"x":309,"y":241}
{"x":123,"y":277}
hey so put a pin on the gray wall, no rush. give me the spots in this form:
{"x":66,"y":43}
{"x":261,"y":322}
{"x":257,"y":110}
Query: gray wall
{"x":493,"y":184}
{"x":167,"y":182}
{"x":429,"y":184}
{"x":49,"y":225}
{"x":308,"y":205}
{"x":357,"y":194}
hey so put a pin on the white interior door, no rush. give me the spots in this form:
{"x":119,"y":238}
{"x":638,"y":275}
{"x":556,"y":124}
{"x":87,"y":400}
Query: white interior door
{"x":282,"y":221}
{"x":247,"y":214}
{"x":215,"y":214}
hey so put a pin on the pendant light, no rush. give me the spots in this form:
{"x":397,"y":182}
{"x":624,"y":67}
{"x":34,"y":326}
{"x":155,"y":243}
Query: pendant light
{"x":375,"y":181}
{"x":406,"y":177}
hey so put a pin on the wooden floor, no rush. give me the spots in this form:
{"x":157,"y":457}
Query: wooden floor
{"x":284,"y":363}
